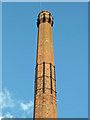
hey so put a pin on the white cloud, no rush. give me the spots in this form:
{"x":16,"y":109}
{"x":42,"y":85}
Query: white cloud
{"x":8,"y":115}
{"x":1,"y":117}
{"x":27,"y":106}
{"x":6,"y":99}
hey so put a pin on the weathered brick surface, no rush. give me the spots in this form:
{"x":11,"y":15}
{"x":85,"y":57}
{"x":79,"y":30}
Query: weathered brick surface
{"x":45,"y":105}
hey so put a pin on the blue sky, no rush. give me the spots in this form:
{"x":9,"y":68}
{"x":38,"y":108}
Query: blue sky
{"x":19,"y":43}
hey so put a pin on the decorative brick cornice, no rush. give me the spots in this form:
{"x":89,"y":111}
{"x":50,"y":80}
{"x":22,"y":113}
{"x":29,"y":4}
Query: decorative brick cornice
{"x":43,"y":17}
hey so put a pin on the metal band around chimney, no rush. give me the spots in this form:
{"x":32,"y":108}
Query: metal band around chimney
{"x":51,"y":76}
{"x":36,"y":77}
{"x":43,"y":77}
{"x":55,"y":78}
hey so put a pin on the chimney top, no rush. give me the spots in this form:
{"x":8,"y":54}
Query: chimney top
{"x":44,"y":11}
{"x":45,"y":16}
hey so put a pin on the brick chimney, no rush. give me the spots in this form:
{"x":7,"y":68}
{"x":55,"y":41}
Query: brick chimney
{"x":45,"y":104}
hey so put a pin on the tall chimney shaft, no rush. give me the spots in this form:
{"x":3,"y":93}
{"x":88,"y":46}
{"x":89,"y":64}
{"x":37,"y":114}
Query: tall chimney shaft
{"x":45,"y":105}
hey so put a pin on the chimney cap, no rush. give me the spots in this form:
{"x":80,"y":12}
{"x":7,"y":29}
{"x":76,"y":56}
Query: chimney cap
{"x":44,"y":11}
{"x":44,"y":16}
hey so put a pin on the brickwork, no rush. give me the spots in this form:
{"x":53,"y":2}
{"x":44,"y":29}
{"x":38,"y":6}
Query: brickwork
{"x":45,"y":105}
